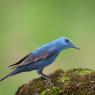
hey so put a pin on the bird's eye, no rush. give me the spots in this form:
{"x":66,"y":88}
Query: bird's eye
{"x":67,"y":40}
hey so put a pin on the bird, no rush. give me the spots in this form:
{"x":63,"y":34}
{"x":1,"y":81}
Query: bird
{"x":41,"y":57}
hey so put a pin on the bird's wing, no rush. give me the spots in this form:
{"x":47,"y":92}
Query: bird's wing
{"x":30,"y":58}
{"x":20,"y":61}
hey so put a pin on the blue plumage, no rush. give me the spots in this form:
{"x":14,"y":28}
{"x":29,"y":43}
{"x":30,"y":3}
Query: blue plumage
{"x":41,"y":57}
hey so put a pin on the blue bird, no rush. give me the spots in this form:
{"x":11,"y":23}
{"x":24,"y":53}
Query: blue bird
{"x":41,"y":57}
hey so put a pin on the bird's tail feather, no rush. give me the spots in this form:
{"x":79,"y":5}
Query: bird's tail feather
{"x":10,"y":74}
{"x":16,"y":71}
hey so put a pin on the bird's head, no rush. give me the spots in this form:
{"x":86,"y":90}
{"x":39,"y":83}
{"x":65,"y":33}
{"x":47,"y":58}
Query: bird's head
{"x":67,"y":43}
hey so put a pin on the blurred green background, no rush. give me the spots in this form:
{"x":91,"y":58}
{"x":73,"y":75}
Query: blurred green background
{"x":28,"y":24}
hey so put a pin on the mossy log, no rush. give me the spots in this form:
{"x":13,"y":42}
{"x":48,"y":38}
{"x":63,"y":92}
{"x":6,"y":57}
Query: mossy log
{"x":71,"y":82}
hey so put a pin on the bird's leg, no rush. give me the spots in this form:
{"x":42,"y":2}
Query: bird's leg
{"x":46,"y":77}
{"x":40,"y":72}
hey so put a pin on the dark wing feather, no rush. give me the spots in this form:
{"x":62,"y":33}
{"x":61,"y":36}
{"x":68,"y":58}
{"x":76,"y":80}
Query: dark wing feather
{"x":31,"y":58}
{"x":19,"y":61}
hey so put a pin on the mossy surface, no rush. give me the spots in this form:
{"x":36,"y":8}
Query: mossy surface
{"x":50,"y":91}
{"x":71,"y":82}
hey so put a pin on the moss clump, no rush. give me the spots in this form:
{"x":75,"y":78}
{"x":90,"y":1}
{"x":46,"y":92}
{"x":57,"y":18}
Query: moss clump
{"x":83,"y":71}
{"x":71,"y":82}
{"x":50,"y":91}
{"x":64,"y":78}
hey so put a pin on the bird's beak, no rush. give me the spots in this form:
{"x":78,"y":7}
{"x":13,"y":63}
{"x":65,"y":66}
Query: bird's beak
{"x":76,"y":47}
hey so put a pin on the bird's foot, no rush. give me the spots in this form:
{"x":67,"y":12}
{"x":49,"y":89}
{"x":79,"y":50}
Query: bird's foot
{"x":49,"y":83}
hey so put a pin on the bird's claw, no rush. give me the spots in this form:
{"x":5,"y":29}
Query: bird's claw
{"x":49,"y":83}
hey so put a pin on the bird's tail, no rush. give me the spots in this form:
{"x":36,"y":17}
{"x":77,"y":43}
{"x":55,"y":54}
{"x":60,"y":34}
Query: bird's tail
{"x":10,"y":74}
{"x":16,"y":71}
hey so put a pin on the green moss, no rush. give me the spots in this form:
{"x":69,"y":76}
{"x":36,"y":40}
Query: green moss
{"x":50,"y":91}
{"x":64,"y":78}
{"x":83,"y":71}
{"x":71,"y":82}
